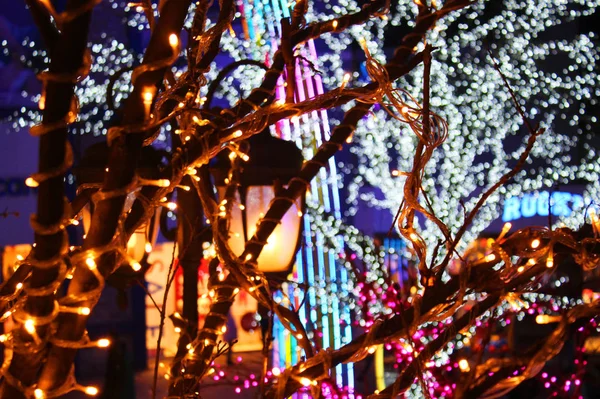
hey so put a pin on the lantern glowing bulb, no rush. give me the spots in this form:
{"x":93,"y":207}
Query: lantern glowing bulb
{"x":92,"y":391}
{"x":148,"y":247}
{"x":83,"y":311}
{"x":103,"y":343}
{"x":173,"y":40}
{"x":38,"y":394}
{"x":463,"y":364}
{"x":535,"y":243}
{"x":136,"y":266}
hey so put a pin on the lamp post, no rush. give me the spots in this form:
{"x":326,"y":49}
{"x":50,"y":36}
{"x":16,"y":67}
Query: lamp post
{"x":272,"y":163}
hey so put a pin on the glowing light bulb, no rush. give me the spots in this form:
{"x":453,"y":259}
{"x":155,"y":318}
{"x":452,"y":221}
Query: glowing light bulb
{"x":135,"y":265}
{"x":92,"y":391}
{"x":148,"y":95}
{"x":463,"y":364}
{"x":31,"y":182}
{"x":237,"y":133}
{"x":148,"y":247}
{"x":103,"y":343}
{"x":90,"y":262}
{"x":173,"y":40}
{"x":19,"y":286}
{"x":345,"y":80}
{"x":30,"y":326}
{"x":535,"y":243}
{"x":84,"y":311}
{"x":490,"y":258}
{"x":171,"y":206}
{"x":305,"y":381}
{"x":550,"y":260}
{"x":163,"y":182}
{"x":334,"y":24}
{"x":39,"y":394}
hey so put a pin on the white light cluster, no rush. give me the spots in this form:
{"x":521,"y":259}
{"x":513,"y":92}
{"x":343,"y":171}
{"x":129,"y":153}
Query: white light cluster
{"x":109,"y":57}
{"x":551,"y":67}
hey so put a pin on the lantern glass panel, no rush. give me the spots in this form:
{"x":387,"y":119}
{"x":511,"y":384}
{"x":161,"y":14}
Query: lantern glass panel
{"x":278,"y":253}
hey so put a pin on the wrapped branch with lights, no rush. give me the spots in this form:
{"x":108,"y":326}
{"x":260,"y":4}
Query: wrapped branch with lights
{"x":50,"y":328}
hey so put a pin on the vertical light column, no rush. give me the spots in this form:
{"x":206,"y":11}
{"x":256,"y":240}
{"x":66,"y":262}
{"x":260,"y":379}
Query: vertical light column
{"x":316,"y":267}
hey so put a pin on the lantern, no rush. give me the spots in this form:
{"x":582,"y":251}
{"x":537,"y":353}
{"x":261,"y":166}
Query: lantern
{"x":90,"y":174}
{"x":272,"y":163}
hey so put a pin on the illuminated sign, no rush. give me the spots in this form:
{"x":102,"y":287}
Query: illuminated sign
{"x":536,"y":204}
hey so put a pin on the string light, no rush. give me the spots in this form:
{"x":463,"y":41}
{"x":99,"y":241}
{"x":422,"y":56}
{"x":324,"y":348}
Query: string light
{"x":92,"y":391}
{"x":306,"y":382}
{"x":136,"y":266}
{"x":173,"y":40}
{"x":90,"y":262}
{"x":30,"y":182}
{"x":30,"y":326}
{"x":550,"y":260}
